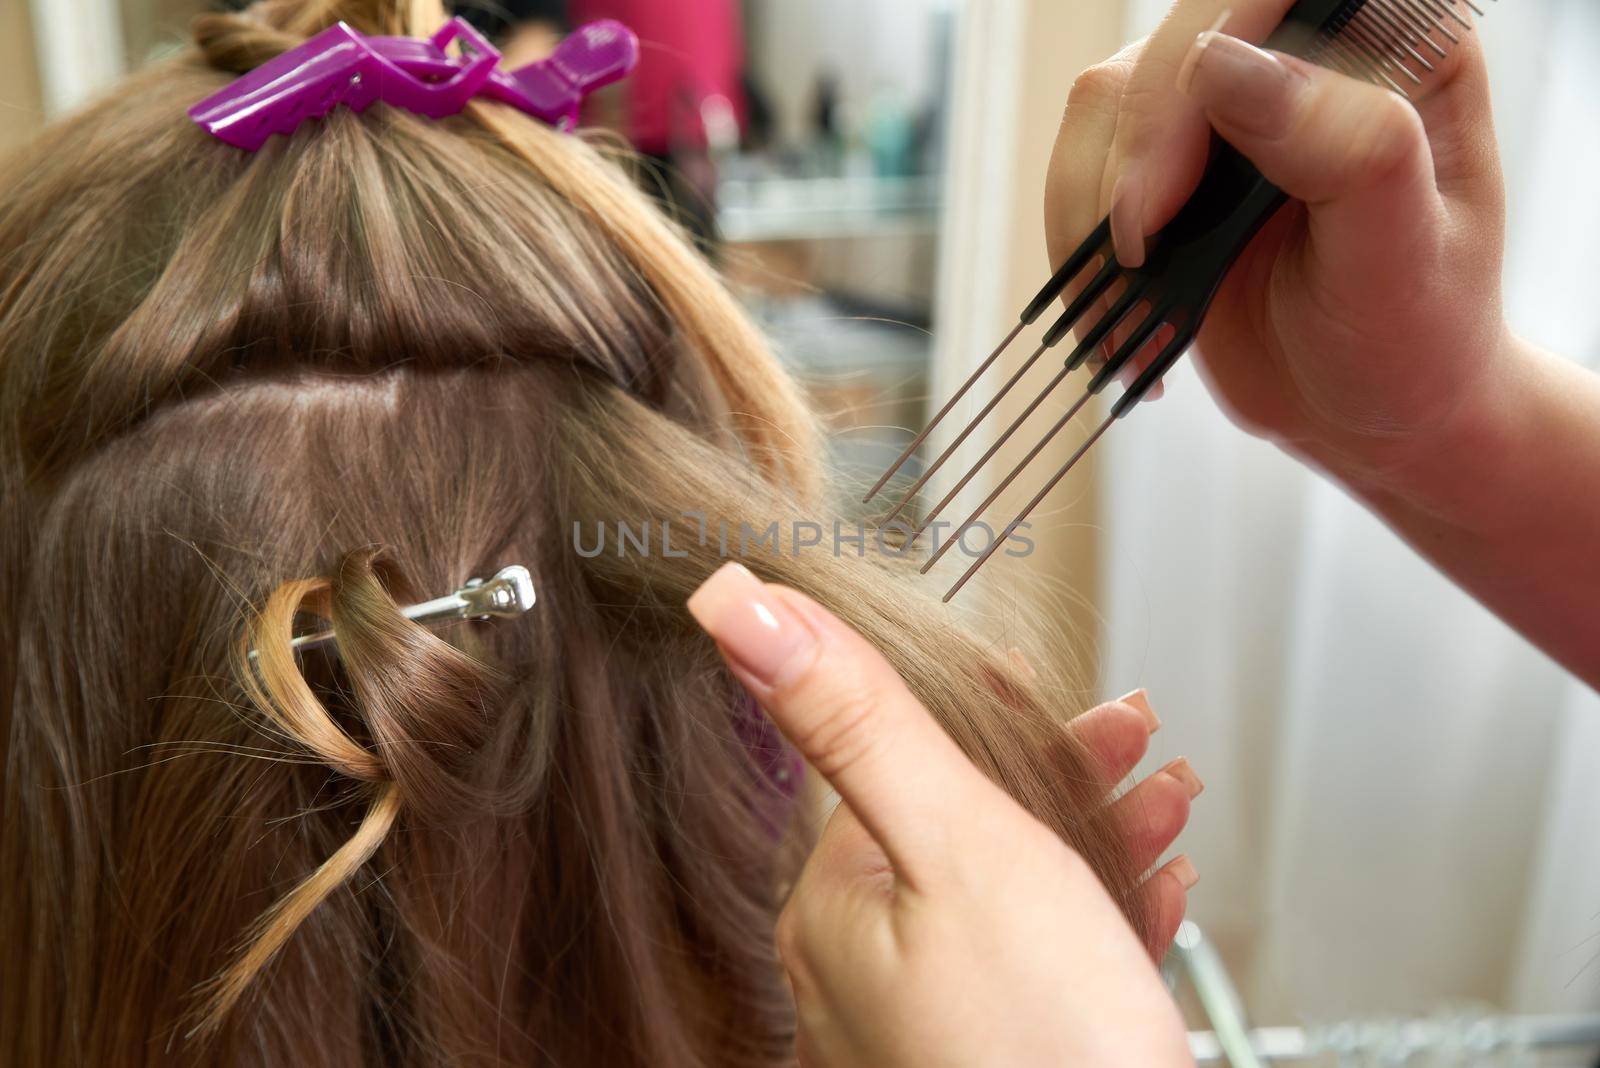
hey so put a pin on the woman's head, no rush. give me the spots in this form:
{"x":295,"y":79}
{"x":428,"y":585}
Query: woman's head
{"x":353,"y":370}
{"x":361,"y":243}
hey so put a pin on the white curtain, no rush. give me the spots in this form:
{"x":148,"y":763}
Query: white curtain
{"x":1403,"y":804}
{"x":79,"y":48}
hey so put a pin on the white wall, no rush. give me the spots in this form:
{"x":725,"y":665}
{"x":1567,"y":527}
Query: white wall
{"x":80,"y":49}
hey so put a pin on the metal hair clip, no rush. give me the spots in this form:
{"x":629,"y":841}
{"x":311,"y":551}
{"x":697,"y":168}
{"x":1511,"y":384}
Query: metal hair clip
{"x":509,"y":593}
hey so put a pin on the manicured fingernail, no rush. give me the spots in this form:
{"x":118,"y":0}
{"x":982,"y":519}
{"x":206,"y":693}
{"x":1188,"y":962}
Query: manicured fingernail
{"x":1240,"y":83}
{"x":758,"y":633}
{"x":1183,"y":868}
{"x":1130,"y":374}
{"x":1019,"y":660}
{"x":1127,"y":220}
{"x":1140,"y":700}
{"x":1179,"y":769}
{"x":1192,"y":60}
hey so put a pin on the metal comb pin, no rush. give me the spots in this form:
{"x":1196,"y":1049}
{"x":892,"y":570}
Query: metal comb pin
{"x":509,"y":593}
{"x":1379,"y":41}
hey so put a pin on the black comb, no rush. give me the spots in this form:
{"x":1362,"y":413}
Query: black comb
{"x":1386,"y":42}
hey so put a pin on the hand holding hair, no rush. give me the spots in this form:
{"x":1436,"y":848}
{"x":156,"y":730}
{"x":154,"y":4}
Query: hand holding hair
{"x":1363,"y":329}
{"x":937,"y":922}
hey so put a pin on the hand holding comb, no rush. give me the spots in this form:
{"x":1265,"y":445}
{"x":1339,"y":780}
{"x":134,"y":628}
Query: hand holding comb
{"x":1153,"y":311}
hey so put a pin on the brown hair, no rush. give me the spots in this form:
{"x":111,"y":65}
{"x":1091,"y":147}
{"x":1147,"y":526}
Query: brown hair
{"x":349,"y":371}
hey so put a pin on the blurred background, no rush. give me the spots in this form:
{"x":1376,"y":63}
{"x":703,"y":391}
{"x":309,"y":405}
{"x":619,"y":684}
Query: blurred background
{"x":1402,"y":817}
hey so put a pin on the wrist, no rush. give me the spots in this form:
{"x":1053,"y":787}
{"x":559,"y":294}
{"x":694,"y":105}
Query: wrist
{"x":1462,"y":470}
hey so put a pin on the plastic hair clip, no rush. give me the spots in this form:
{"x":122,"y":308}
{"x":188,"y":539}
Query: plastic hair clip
{"x":509,"y":593}
{"x":341,"y":66}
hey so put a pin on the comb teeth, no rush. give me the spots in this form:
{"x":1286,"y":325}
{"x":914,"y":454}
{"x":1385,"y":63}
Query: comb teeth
{"x":1385,"y":42}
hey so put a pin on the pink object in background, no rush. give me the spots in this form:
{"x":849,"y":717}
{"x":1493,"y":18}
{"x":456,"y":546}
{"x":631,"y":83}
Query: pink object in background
{"x":691,"y":51}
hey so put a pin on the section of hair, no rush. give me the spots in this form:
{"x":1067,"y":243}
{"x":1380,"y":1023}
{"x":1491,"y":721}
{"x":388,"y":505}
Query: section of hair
{"x":425,"y":703}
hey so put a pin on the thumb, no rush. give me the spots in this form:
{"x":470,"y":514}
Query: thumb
{"x":851,"y":716}
{"x":1358,"y":155}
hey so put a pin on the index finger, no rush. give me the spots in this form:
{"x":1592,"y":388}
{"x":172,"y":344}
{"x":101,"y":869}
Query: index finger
{"x":850,"y":714}
{"x":1162,"y":139}
{"x":1160,"y":148}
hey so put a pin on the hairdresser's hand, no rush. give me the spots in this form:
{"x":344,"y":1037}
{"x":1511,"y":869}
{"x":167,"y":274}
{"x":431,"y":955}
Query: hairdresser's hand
{"x":947,"y":926}
{"x":1150,"y":816}
{"x":1361,"y":326}
{"x":1362,"y":330}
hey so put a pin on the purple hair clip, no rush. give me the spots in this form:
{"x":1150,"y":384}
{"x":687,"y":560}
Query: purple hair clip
{"x":340,"y":66}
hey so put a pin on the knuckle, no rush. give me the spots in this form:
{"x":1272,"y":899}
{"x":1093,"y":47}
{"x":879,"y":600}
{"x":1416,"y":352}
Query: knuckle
{"x":1097,"y":88}
{"x":1145,"y":120}
{"x":789,"y":935}
{"x":1392,"y":138}
{"x":847,"y":732}
{"x":1381,"y":132}
{"x":793,"y":953}
{"x":1129,"y":54}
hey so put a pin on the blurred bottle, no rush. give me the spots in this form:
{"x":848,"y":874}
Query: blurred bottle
{"x":891,"y":134}
{"x":827,"y":139}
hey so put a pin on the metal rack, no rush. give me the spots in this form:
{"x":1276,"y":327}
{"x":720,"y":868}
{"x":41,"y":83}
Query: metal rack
{"x":1460,"y":1038}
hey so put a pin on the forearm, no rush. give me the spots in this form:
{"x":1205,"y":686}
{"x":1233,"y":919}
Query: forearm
{"x":1506,"y":501}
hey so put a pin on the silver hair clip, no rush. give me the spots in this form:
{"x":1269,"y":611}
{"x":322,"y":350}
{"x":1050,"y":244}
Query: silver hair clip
{"x":509,"y":593}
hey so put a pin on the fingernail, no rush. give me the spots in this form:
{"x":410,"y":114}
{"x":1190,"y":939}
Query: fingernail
{"x":1127,"y":220}
{"x":1140,"y":700}
{"x":1130,"y":374}
{"x":1019,"y":660}
{"x":1183,"y":868}
{"x":758,"y":633}
{"x":1190,"y":61}
{"x":1244,"y":85}
{"x":1179,"y":769}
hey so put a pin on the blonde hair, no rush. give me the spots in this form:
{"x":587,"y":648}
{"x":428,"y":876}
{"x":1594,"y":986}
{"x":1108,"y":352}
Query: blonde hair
{"x":354,"y":369}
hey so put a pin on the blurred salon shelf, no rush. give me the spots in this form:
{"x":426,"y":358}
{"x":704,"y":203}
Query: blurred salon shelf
{"x":838,"y":271}
{"x":867,"y":376}
{"x":1459,"y":1037}
{"x":821,"y":209}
